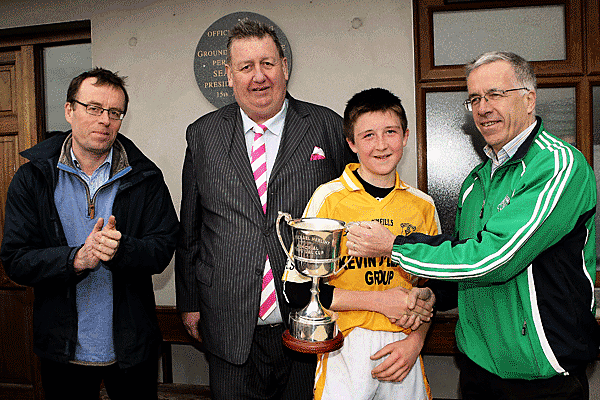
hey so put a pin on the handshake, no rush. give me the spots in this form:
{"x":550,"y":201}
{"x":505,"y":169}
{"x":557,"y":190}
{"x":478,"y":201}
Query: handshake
{"x":407,"y":308}
{"x":412,"y":312}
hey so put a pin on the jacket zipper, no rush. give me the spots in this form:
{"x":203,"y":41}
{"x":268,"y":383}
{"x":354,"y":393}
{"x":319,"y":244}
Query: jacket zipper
{"x":91,"y":202}
{"x":483,"y":192}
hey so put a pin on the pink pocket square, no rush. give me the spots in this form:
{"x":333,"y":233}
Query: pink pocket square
{"x":317,"y":154}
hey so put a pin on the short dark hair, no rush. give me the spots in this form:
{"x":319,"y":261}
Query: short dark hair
{"x":246,"y":29}
{"x":103,"y":77}
{"x":371,"y":100}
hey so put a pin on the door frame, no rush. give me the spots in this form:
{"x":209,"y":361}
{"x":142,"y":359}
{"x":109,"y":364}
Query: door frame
{"x":22,"y":49}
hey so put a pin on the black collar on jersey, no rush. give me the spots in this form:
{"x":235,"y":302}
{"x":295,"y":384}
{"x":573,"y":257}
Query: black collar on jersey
{"x":375,"y":191}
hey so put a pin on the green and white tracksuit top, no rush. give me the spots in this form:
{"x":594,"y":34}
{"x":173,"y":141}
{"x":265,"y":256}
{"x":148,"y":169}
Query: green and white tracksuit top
{"x":524,"y":258}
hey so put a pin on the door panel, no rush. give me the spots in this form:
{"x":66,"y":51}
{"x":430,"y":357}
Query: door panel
{"x":22,"y":124}
{"x":19,"y":376}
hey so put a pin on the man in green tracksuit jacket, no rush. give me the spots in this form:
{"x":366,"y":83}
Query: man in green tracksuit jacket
{"x":524,"y":248}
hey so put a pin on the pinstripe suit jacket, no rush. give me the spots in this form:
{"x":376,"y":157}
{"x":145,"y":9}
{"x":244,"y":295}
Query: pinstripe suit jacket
{"x":225,"y":234}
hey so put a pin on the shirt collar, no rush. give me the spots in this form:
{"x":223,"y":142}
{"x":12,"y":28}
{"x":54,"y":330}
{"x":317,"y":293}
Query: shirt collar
{"x":509,"y":148}
{"x":107,"y":160}
{"x":274,"y":125}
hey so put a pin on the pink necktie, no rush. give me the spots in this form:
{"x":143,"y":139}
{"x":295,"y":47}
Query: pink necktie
{"x":258,"y":159}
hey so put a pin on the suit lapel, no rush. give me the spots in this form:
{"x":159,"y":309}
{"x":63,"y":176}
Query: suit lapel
{"x":294,"y":130}
{"x":233,"y":139}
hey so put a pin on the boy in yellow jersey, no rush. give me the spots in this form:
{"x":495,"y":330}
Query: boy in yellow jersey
{"x":379,"y":360}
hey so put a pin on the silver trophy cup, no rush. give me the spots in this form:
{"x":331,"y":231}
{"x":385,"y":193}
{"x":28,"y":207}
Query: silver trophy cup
{"x":315,"y":253}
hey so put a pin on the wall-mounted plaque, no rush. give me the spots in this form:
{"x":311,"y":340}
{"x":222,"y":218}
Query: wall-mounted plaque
{"x":211,"y":56}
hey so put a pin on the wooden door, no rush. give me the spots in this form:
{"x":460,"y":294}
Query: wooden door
{"x":22,"y":125}
{"x":19,"y":368}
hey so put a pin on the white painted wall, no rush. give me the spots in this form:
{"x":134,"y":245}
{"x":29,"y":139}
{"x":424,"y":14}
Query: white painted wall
{"x":331,"y":62}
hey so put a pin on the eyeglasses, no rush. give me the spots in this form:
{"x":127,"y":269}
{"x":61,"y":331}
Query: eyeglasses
{"x":97,"y":111}
{"x":491,"y":96}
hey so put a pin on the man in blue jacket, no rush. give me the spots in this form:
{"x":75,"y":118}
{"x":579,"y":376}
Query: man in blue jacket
{"x":89,"y":220}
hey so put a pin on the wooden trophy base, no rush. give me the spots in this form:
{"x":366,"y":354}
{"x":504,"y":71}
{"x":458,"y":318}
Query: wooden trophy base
{"x":304,"y":346}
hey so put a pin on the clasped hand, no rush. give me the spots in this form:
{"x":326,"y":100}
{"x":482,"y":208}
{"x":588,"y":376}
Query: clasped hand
{"x":100,"y":245}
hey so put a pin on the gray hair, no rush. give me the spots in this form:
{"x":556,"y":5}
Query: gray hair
{"x":523,"y":70}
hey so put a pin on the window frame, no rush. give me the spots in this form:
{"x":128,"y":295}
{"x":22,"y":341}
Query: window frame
{"x":576,"y":70}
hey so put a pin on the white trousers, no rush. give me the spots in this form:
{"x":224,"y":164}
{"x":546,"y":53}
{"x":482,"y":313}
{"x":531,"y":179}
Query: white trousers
{"x":347,"y":372}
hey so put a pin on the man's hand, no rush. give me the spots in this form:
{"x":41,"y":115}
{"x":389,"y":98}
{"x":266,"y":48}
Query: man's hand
{"x":394,"y":303}
{"x":421,"y":297}
{"x":402,"y":355}
{"x":370,"y":239}
{"x":421,"y":302}
{"x":106,"y":242}
{"x":85,"y":257}
{"x":190,"y":321}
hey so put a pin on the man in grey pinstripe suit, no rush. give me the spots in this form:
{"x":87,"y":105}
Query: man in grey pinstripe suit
{"x":226,"y":235}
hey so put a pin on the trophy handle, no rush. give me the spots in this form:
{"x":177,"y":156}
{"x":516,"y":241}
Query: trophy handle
{"x":288,"y":218}
{"x":348,"y":225}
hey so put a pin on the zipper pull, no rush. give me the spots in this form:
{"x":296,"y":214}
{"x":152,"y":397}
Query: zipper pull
{"x":524,"y":330}
{"x":481,"y":212}
{"x":91,"y":210}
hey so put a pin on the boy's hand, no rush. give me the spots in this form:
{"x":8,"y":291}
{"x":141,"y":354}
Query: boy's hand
{"x":408,"y":321}
{"x":402,"y":355}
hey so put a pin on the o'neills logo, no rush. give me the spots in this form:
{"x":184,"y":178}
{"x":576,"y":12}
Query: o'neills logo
{"x":504,"y":203}
{"x":384,"y":221}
